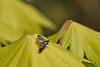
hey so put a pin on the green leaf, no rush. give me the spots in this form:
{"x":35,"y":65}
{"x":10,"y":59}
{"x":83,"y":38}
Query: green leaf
{"x":18,"y":18}
{"x":3,"y":42}
{"x":25,"y":53}
{"x":81,"y":41}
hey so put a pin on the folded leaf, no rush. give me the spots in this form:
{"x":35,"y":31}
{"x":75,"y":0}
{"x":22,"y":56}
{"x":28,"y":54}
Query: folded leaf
{"x":81,"y":41}
{"x":25,"y":53}
{"x":18,"y":18}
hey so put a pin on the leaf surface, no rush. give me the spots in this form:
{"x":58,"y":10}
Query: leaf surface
{"x":81,"y":41}
{"x":25,"y":53}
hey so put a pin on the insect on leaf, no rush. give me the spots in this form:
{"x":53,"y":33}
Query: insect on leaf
{"x":25,"y":53}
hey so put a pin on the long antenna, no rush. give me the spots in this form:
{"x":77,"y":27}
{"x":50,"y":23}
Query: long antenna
{"x":48,"y":23}
{"x":49,"y":29}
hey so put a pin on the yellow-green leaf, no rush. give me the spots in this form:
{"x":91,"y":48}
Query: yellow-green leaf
{"x":81,"y":41}
{"x":18,"y":18}
{"x":25,"y":53}
{"x":3,"y":42}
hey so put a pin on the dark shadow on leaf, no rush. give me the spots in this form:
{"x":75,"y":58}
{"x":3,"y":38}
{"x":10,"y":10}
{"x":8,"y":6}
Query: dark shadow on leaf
{"x":58,"y":41}
{"x":85,"y":56}
{"x":68,"y":47}
{"x":88,"y":64}
{"x":2,"y":45}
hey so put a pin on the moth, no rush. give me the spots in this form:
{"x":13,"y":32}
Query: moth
{"x":43,"y":42}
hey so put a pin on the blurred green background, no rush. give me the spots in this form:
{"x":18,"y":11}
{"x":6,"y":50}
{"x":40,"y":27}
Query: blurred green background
{"x":45,"y":17}
{"x":86,"y":12}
